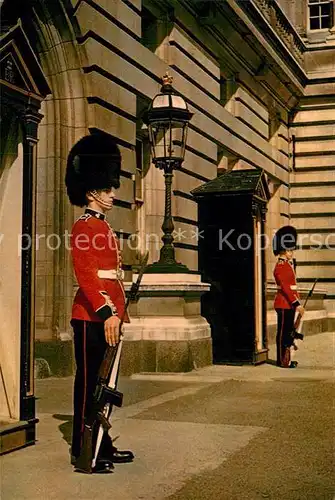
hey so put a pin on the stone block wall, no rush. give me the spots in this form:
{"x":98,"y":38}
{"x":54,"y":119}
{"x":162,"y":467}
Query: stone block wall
{"x":312,"y":193}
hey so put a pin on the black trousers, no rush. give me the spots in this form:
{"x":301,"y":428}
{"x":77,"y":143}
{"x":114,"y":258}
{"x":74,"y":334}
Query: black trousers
{"x":284,"y":339}
{"x":90,"y":346}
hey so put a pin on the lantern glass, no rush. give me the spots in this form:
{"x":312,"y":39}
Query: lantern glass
{"x":161,"y":101}
{"x":170,"y":101}
{"x":178,"y":102}
{"x":168,"y":140}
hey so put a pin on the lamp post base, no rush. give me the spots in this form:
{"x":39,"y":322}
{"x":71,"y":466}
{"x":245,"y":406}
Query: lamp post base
{"x":164,"y":267}
{"x":167,"y":332}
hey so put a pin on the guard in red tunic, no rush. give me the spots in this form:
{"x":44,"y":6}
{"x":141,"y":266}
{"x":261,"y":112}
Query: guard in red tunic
{"x":287,"y":298}
{"x":93,"y":172}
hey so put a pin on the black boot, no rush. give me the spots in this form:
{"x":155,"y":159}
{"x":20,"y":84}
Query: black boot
{"x":102,"y":466}
{"x":112,"y":454}
{"x":293,"y":364}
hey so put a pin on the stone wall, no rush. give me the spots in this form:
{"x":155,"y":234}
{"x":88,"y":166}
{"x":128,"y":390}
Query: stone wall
{"x":313,"y":178}
{"x":104,"y":62}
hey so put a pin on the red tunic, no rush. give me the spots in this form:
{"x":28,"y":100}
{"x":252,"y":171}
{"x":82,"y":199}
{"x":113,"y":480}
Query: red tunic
{"x":287,"y":294}
{"x":95,"y":248}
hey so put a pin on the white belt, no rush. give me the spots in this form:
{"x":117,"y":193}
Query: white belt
{"x":111,"y":274}
{"x":293,"y":287}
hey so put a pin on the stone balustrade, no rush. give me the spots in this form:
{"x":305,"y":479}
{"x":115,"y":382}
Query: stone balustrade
{"x":278,"y":20}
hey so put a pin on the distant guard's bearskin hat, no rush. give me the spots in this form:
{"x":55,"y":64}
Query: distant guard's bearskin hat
{"x":284,"y":239}
{"x":94,"y":163}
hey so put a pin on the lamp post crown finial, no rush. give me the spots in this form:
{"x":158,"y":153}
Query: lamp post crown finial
{"x":167,"y":79}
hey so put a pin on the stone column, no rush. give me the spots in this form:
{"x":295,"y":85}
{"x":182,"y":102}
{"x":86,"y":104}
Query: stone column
{"x":30,"y":124}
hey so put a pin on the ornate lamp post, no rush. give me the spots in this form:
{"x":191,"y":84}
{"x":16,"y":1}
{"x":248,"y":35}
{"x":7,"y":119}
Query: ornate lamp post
{"x":167,"y":119}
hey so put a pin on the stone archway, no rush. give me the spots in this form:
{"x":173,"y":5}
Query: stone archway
{"x":64,"y":123}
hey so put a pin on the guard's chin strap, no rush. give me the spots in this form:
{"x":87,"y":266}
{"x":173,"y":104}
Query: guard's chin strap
{"x":102,"y":202}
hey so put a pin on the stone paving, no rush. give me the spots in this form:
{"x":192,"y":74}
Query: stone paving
{"x":222,"y":432}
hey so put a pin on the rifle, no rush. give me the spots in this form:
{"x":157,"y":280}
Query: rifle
{"x":296,"y":333}
{"x":105,"y":395}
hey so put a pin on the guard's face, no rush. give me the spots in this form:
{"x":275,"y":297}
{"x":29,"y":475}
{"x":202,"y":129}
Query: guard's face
{"x":289,"y":254}
{"x":101,"y":199}
{"x":107,"y":195}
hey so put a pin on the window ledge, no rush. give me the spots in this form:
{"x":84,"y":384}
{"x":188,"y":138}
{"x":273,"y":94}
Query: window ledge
{"x":317,"y":36}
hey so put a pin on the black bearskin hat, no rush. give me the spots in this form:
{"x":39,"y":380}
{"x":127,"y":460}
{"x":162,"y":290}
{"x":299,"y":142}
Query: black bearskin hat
{"x":284,"y":239}
{"x":93,"y":163}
